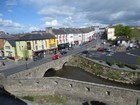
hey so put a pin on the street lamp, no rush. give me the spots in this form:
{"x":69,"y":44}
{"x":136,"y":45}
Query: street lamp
{"x":26,"y":59}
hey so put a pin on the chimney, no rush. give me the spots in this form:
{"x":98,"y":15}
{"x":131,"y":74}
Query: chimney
{"x":49,"y":30}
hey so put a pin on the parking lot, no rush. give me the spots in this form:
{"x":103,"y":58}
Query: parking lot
{"x":129,"y":57}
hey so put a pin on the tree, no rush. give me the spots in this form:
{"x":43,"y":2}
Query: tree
{"x":127,"y":31}
{"x":25,"y":55}
{"x":121,"y":30}
{"x":136,"y":34}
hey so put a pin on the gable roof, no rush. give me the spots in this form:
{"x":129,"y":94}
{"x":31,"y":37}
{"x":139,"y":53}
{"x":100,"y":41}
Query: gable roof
{"x":12,"y":42}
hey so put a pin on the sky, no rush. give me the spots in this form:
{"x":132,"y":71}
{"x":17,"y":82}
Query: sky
{"x":18,"y":16}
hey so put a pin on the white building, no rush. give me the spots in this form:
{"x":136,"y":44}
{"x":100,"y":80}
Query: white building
{"x":111,"y":33}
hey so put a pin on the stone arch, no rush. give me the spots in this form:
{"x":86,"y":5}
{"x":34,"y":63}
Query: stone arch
{"x":50,"y":72}
{"x":64,"y":64}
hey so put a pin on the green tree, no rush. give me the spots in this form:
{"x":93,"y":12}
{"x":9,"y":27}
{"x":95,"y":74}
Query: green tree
{"x":121,"y":30}
{"x":26,"y":56}
{"x":25,"y":53}
{"x":136,"y":34}
{"x":127,"y":31}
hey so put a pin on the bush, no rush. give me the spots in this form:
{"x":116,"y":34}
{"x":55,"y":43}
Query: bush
{"x":110,"y":63}
{"x":121,"y":65}
{"x":131,"y":66}
{"x":113,"y":75}
{"x":137,"y":81}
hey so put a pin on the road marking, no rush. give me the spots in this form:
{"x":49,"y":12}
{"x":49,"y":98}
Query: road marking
{"x":132,"y":54}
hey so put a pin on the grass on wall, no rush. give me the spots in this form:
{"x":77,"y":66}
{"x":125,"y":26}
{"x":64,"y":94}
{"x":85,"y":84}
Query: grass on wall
{"x":48,"y":98}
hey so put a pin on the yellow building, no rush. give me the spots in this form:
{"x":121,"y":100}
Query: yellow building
{"x":52,"y":44}
{"x":10,"y":48}
{"x":36,"y":44}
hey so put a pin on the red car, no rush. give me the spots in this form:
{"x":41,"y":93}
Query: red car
{"x":100,"y":49}
{"x":56,"y":56}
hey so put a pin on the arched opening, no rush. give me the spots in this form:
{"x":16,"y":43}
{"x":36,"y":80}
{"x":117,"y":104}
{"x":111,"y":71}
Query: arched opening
{"x":97,"y":103}
{"x":50,"y":72}
{"x":64,"y":64}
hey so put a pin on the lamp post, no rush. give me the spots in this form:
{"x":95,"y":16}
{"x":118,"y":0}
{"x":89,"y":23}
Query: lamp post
{"x":26,"y":59}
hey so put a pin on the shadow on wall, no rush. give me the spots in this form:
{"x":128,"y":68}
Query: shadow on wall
{"x":7,"y":99}
{"x":94,"y":103}
{"x":50,"y":72}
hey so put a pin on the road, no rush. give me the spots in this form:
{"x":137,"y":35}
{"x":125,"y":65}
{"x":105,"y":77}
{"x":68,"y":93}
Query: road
{"x":17,"y":68}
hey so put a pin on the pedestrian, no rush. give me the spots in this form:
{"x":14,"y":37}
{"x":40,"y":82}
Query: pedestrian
{"x":3,"y":63}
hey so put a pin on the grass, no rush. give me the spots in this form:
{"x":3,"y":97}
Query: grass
{"x":49,"y":98}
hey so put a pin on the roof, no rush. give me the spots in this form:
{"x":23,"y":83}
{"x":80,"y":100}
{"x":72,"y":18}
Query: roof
{"x":6,"y":36}
{"x":122,"y":38}
{"x":59,"y":31}
{"x":12,"y":42}
{"x":36,"y":36}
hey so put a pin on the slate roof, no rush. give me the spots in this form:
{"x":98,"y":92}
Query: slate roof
{"x":12,"y":42}
{"x":36,"y":36}
{"x":6,"y":36}
{"x":59,"y":31}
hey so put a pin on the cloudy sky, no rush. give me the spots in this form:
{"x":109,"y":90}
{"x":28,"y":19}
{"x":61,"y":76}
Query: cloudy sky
{"x":27,"y":15}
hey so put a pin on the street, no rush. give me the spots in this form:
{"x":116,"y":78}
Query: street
{"x":31,"y":64}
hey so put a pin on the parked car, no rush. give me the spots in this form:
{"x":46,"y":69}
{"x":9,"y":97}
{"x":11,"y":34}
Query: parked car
{"x":85,"y":52}
{"x":100,"y":49}
{"x":3,"y":58}
{"x":63,"y":52}
{"x":56,"y":56}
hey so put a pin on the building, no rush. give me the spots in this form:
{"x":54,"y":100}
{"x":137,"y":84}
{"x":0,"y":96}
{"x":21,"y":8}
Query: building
{"x":35,"y":43}
{"x":111,"y":33}
{"x":10,"y":48}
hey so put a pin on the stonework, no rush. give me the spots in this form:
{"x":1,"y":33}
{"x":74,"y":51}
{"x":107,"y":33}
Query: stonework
{"x":32,"y":83}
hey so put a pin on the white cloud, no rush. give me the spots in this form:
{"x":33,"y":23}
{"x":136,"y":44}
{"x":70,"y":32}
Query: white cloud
{"x":117,"y":15}
{"x":10,"y":23}
{"x":9,"y":10}
{"x":33,"y":28}
{"x":52,"y":23}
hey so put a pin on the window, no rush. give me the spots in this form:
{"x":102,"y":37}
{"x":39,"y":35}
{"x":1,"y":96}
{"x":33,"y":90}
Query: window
{"x":36,"y":42}
{"x":7,"y":48}
{"x":42,"y":46}
{"x":28,"y":46}
{"x":36,"y":47}
{"x":60,"y":41}
{"x":52,"y":45}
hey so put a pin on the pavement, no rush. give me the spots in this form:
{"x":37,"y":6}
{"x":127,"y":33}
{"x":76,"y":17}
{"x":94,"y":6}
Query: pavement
{"x":12,"y":63}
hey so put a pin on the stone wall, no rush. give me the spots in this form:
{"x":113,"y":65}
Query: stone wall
{"x":103,"y":70}
{"x":72,"y":89}
{"x":40,"y":70}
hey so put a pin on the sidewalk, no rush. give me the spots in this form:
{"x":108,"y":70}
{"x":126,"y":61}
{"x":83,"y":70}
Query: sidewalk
{"x":12,"y":63}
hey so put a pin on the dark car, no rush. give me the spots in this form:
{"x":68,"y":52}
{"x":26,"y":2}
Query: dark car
{"x":63,"y":52}
{"x":85,"y":52}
